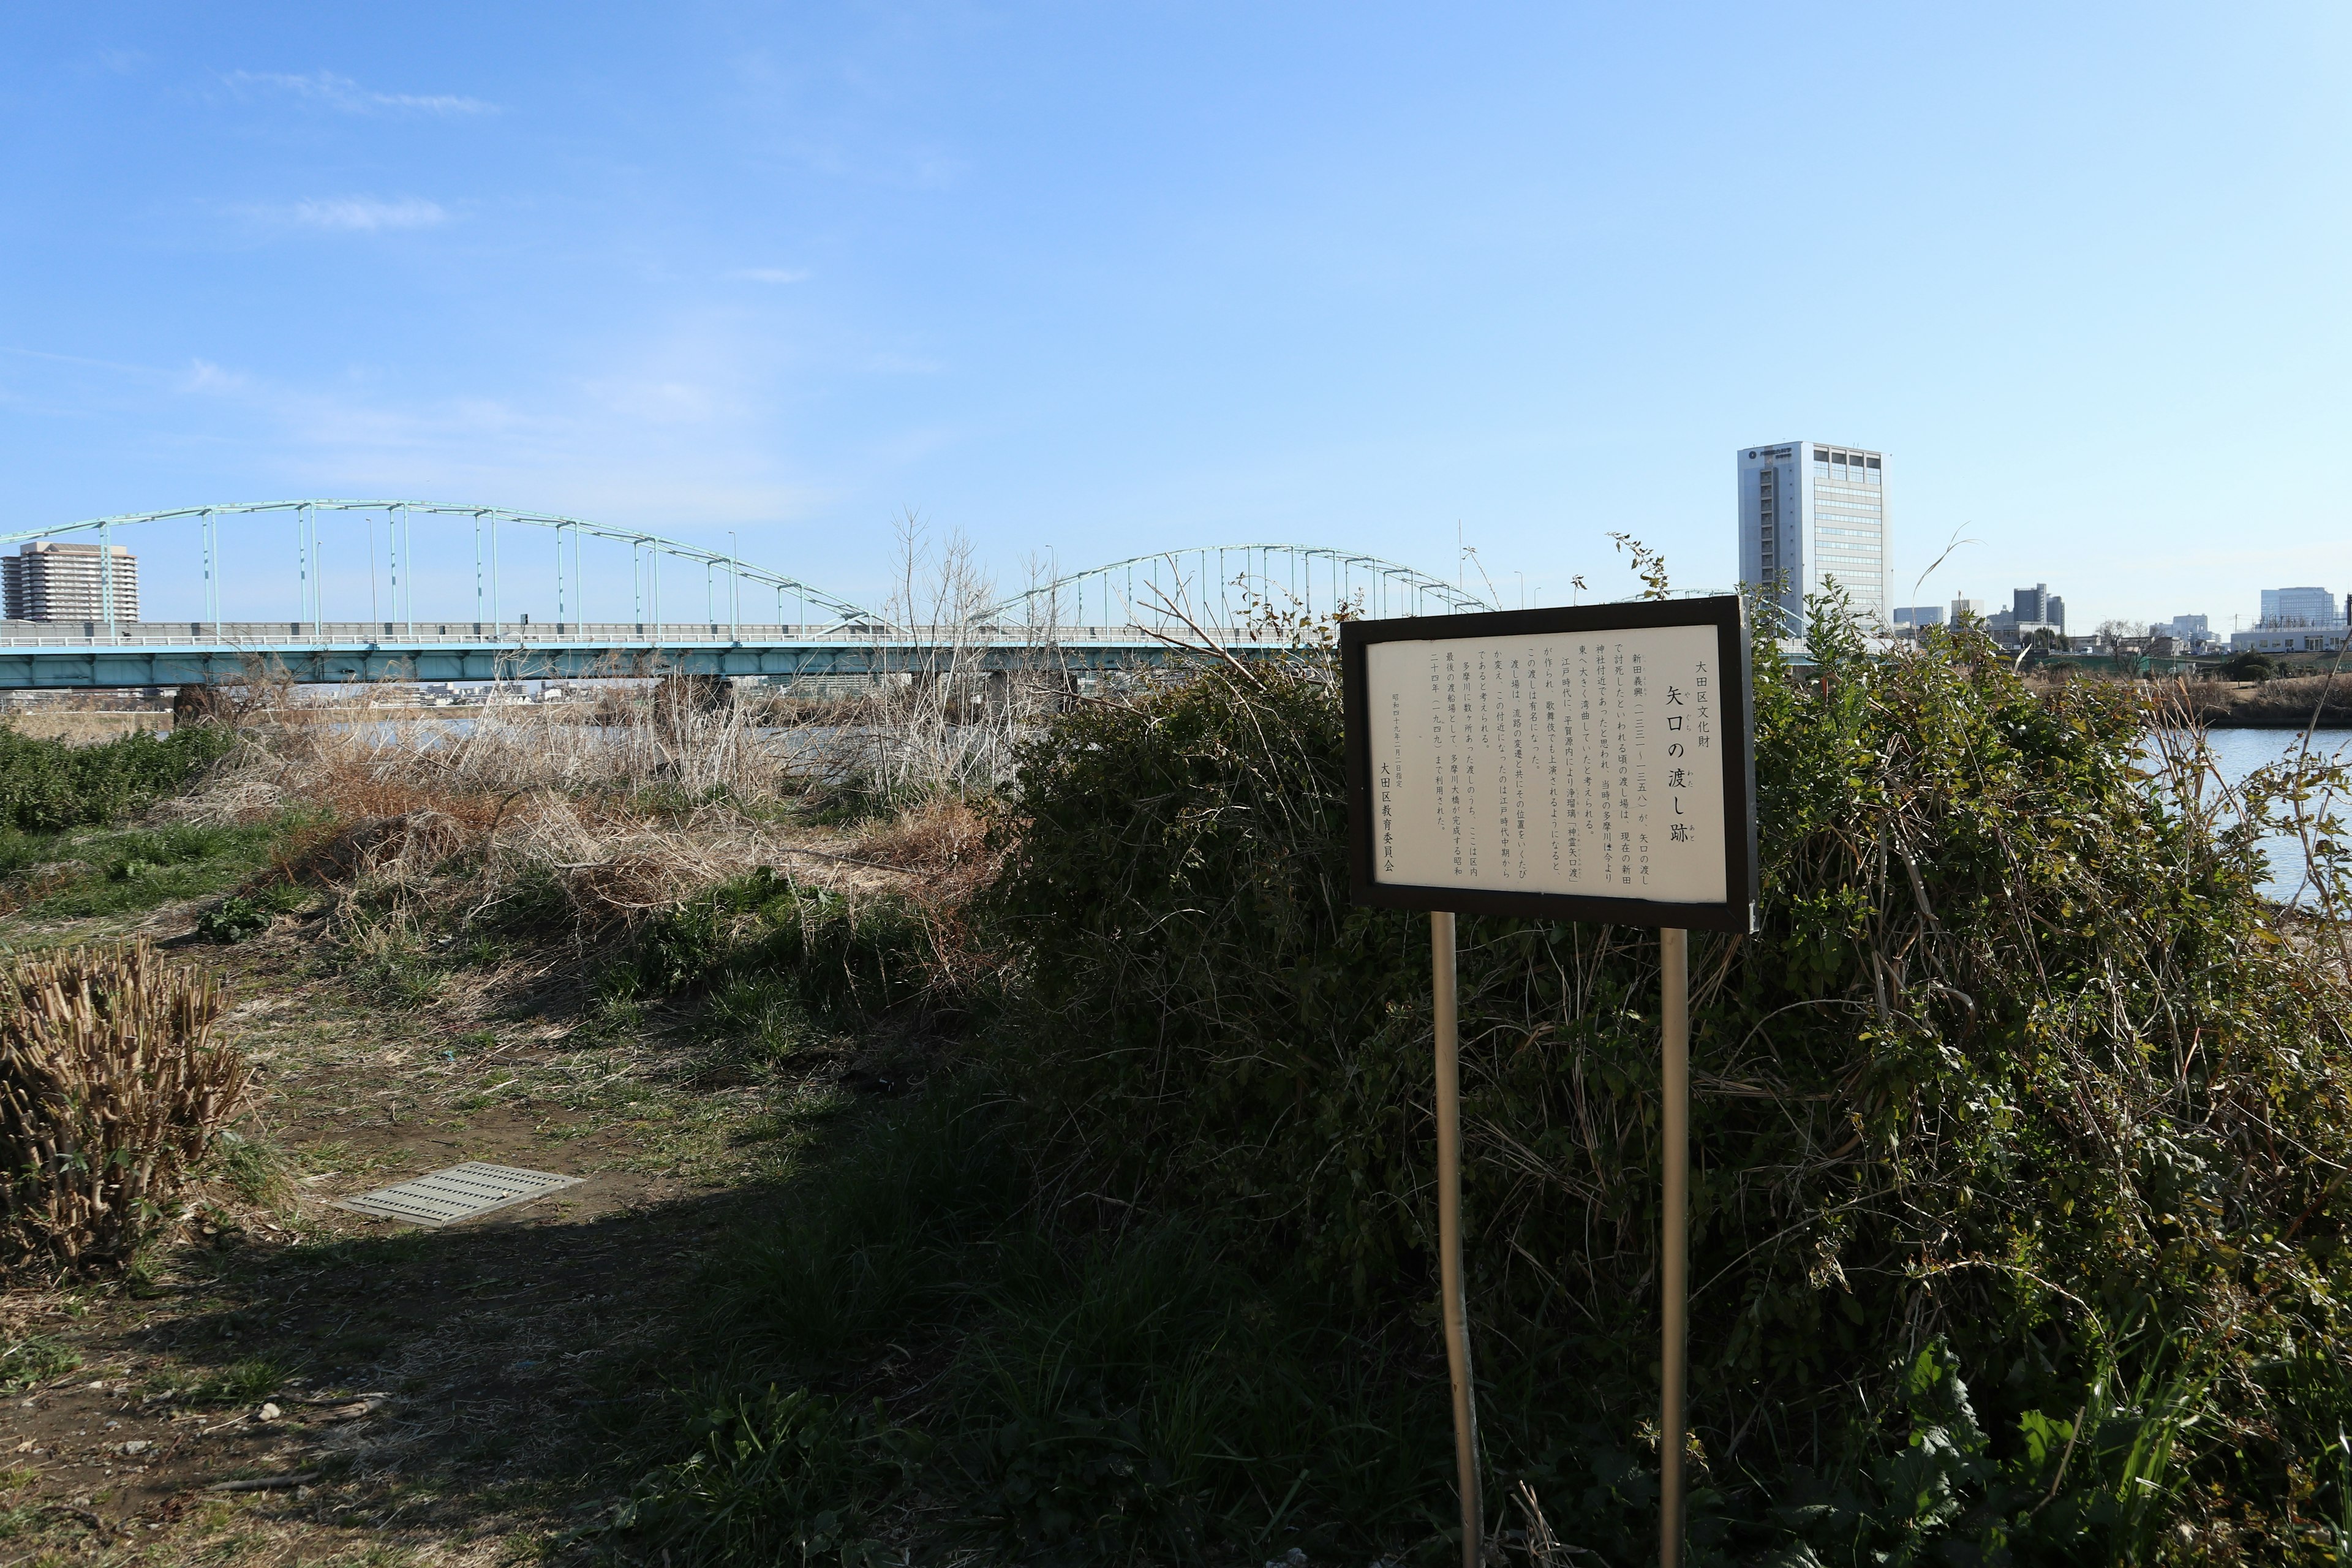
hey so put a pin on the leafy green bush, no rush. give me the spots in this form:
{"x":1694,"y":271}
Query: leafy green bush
{"x":47,"y":784}
{"x":233,"y":920}
{"x":2020,"y":1070}
{"x":2250,"y":666}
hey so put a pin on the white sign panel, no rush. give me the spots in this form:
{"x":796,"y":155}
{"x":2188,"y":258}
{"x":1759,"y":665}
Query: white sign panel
{"x":1500,"y":762}
{"x":1582,"y":762}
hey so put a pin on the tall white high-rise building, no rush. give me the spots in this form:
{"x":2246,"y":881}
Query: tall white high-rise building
{"x":46,"y":580}
{"x":1813,"y":515}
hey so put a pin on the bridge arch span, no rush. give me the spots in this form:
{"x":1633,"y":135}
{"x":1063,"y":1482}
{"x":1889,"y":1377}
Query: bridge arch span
{"x":647,"y":550}
{"x":1222,"y":584}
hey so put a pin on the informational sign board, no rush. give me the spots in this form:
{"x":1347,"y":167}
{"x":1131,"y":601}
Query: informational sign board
{"x":1584,"y":764}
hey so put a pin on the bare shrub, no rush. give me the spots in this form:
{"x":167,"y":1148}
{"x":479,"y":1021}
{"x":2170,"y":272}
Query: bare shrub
{"x":949,"y":850}
{"x":942,"y":838}
{"x":111,"y":1087}
{"x":949,"y":719}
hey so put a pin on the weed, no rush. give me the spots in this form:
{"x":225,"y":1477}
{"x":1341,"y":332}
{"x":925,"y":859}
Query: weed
{"x":144,"y":1274}
{"x":762,"y":1016}
{"x":760,"y":936}
{"x":253,"y":1170}
{"x":232,"y":921}
{"x":243,"y":1382}
{"x":385,"y":960}
{"x":482,"y":952}
{"x":788,"y":1476}
{"x":34,"y":1359}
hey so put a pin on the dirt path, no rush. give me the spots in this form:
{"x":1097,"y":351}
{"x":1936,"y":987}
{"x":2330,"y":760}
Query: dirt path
{"x":402,"y":1396}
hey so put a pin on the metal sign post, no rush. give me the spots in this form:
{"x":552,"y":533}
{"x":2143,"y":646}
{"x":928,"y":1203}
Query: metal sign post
{"x":1565,"y":764}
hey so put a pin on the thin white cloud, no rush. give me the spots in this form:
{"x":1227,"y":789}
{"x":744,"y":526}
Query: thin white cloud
{"x":343,"y":94}
{"x":654,"y":400}
{"x":203,"y":376}
{"x":772,"y":274}
{"x":365,"y":215}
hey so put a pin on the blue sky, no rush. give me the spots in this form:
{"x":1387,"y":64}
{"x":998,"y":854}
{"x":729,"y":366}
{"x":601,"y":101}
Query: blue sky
{"x":1083,"y":281}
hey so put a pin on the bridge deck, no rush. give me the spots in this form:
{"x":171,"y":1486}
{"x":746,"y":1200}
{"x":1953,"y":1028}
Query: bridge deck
{"x":85,"y":654}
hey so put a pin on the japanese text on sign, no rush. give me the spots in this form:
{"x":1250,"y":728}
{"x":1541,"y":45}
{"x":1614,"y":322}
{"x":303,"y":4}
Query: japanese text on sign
{"x":1569,"y":762}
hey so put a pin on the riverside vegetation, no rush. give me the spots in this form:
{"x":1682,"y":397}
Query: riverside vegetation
{"x":2021,"y":1129}
{"x":2018,"y":1220}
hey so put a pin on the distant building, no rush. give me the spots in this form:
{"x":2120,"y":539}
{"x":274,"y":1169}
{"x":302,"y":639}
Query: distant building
{"x":1811,"y":518}
{"x":2286,"y":608}
{"x":2032,"y":611}
{"x":1964,"y":608}
{"x":2287,"y":639}
{"x":45,"y":581}
{"x":1919,"y":615}
{"x":2037,"y":608}
{"x":2191,"y":629}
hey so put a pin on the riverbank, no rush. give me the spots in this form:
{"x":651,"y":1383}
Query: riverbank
{"x":2270,"y":704}
{"x":276,"y":1379}
{"x":1038,"y":1167}
{"x":87,"y":726}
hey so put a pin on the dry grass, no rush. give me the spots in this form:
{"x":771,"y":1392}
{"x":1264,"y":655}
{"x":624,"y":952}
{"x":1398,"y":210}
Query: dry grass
{"x":111,"y":1087}
{"x":625,"y":813}
{"x":596,"y":816}
{"x":367,"y":765}
{"x":942,"y":840}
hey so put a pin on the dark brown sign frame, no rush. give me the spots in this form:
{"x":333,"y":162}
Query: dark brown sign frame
{"x":1727,"y":614}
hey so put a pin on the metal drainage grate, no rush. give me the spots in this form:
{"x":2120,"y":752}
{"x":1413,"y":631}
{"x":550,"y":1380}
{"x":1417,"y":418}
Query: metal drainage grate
{"x":458,"y":1193}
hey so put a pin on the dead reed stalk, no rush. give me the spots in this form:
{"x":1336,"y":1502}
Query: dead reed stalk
{"x":112,"y":1087}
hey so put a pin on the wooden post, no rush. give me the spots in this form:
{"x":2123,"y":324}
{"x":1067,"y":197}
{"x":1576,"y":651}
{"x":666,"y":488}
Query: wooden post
{"x":1449,"y":1232}
{"x":1673,"y":1254}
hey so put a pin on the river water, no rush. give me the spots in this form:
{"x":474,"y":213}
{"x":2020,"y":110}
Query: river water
{"x":2239,"y":751}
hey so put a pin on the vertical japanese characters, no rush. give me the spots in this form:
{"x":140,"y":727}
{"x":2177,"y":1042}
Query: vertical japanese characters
{"x":1569,"y":762}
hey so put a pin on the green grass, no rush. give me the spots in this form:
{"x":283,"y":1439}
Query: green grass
{"x":98,"y":871}
{"x":46,"y":786}
{"x":34,"y":1359}
{"x":385,"y":960}
{"x":245,"y":1381}
{"x":254,"y":1172}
